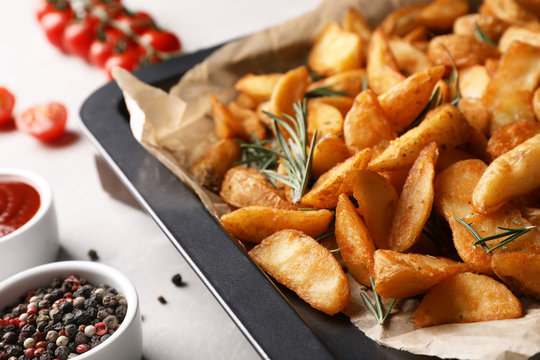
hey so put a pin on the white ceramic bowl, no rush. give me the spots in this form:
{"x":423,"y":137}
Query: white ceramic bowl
{"x":36,"y":242}
{"x":126,"y":342}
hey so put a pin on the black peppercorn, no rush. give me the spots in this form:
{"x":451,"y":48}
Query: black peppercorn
{"x":66,"y":307}
{"x":9,"y":338}
{"x":28,"y":330}
{"x":80,"y":338}
{"x":62,"y":352}
{"x":70,"y":330}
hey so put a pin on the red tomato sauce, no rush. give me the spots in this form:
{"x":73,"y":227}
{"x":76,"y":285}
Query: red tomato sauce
{"x":19,"y":202}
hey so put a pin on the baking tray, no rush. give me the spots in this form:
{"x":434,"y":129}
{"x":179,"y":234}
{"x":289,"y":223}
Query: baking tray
{"x":275,"y":321}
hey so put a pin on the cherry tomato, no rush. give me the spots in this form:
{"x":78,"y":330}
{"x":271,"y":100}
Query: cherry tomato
{"x":53,"y":24}
{"x":138,"y":22}
{"x":46,"y":6}
{"x":161,"y":40}
{"x":109,"y":41}
{"x":7,"y":102}
{"x":111,"y":8}
{"x":78,"y":37}
{"x":45,"y":122}
{"x":128,"y":60}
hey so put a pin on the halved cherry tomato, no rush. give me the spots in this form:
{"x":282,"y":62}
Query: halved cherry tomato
{"x":138,"y":22}
{"x":161,"y":40}
{"x":45,"y":122}
{"x":128,"y":60}
{"x":43,"y":7}
{"x":7,"y":103}
{"x":78,"y":36}
{"x":54,"y":23}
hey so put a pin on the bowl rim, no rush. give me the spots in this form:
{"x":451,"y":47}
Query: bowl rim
{"x":81,"y":267}
{"x":43,"y":188}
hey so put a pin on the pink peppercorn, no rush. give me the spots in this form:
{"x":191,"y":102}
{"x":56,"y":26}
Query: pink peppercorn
{"x":101,"y":328}
{"x":82,"y":348}
{"x":22,"y":324}
{"x":30,"y":352}
{"x":41,"y":344}
{"x":32,"y":310}
{"x":38,"y":352}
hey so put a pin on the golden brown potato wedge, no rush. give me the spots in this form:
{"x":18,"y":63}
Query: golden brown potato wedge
{"x":306,"y":267}
{"x":405,"y":101}
{"x":449,"y":157}
{"x":514,"y":173}
{"x":440,"y":14}
{"x":444,"y":125}
{"x":329,"y":151}
{"x":254,"y":223}
{"x":354,"y":242}
{"x":335,"y":50}
{"x":246,"y":101}
{"x":402,"y":21}
{"x":350,"y":81}
{"x":396,"y":177}
{"x":489,"y":24}
{"x":418,"y":34}
{"x":326,"y":190}
{"x":515,"y":107}
{"x":414,"y":204}
{"x":248,"y":121}
{"x":246,"y":187}
{"x":342,"y":103}
{"x":536,"y":103}
{"x":399,"y":275}
{"x":409,"y":58}
{"x":324,"y":118}
{"x":511,"y":135}
{"x":225,"y":126}
{"x":288,"y":90}
{"x":511,"y":12}
{"x":476,"y":145}
{"x":210,"y":167}
{"x":473,"y":81}
{"x":258,"y":87}
{"x":464,"y":49}
{"x":519,"y":270}
{"x":366,"y":124}
{"x":353,"y":21}
{"x":377,"y":200}
{"x":382,"y":69}
{"x":527,"y":35}
{"x":476,"y":113}
{"x":465,"y":298}
{"x":518,"y":70}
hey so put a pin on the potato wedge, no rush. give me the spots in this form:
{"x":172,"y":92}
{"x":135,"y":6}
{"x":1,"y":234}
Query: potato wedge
{"x":414,"y":204}
{"x":514,"y":173}
{"x":254,"y":223}
{"x":519,"y":270}
{"x":511,"y":12}
{"x":476,"y":113}
{"x":350,"y":81}
{"x":511,"y":135}
{"x":465,"y":298}
{"x":525,"y":34}
{"x":515,"y":107}
{"x":225,"y":126}
{"x":397,"y":177}
{"x":366,"y":124}
{"x":444,"y":125}
{"x":449,"y":157}
{"x":440,"y":14}
{"x":401,"y":21}
{"x":399,"y":275}
{"x":418,"y":34}
{"x":353,"y":21}
{"x":473,"y":81}
{"x":248,"y":121}
{"x":306,"y":267}
{"x":518,"y":70}
{"x":342,"y":103}
{"x":405,"y":101}
{"x":210,"y":167}
{"x":329,"y":151}
{"x":536,"y":103}
{"x":326,"y":190}
{"x":377,"y":200}
{"x":324,"y":118}
{"x":335,"y":50}
{"x":246,"y":187}
{"x":288,"y":90}
{"x":382,"y":69}
{"x":464,"y":49}
{"x":409,"y":58}
{"x":246,"y":101}
{"x":258,"y":87}
{"x":489,"y":24}
{"x":353,"y":239}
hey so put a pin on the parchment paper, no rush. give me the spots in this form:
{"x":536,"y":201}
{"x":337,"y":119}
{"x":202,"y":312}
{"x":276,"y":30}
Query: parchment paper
{"x":176,"y":127}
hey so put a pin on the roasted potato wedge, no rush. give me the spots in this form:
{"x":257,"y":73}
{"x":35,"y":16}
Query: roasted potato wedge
{"x":248,"y":121}
{"x":414,"y":204}
{"x":444,"y":125}
{"x":449,"y":157}
{"x":440,"y":14}
{"x":335,"y":50}
{"x":377,"y":200}
{"x":354,"y":242}
{"x":254,"y":223}
{"x":527,"y":35}
{"x":465,"y":298}
{"x":353,"y":21}
{"x":290,"y":88}
{"x":324,"y":118}
{"x":511,"y":135}
{"x":464,"y":49}
{"x":399,"y":275}
{"x":519,"y":270}
{"x":382,"y":69}
{"x":511,"y":12}
{"x":306,"y":267}
{"x":225,"y":126}
{"x":402,"y":21}
{"x":350,"y":81}
{"x":329,"y":151}
{"x":409,"y":58}
{"x":258,"y":87}
{"x":246,"y":187}
{"x":515,"y":107}
{"x":489,"y":24}
{"x":473,"y":81}
{"x":476,"y":113}
{"x":405,"y":101}
{"x":342,"y":103}
{"x":514,"y":173}
{"x":326,"y":190}
{"x":536,"y":103}
{"x":366,"y":124}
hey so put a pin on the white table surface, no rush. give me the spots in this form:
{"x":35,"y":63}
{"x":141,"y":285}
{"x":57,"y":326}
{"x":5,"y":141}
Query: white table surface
{"x":192,"y":325}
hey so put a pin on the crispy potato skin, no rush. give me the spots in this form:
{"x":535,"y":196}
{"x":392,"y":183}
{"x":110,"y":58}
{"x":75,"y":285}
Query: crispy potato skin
{"x":414,"y":204}
{"x":465,"y":298}
{"x":399,"y":275}
{"x":209,"y":169}
{"x":511,"y":135}
{"x":289,"y":88}
{"x":329,"y":151}
{"x":382,"y":69}
{"x":464,"y":49}
{"x":258,"y":87}
{"x":306,"y":267}
{"x":254,"y":223}
{"x":324,"y":118}
{"x":353,"y":239}
{"x":519,"y":270}
{"x":517,"y":172}
{"x":441,"y":14}
{"x":246,"y":187}
{"x":225,"y":126}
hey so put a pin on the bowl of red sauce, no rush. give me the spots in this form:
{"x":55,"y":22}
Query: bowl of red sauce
{"x":28,"y":227}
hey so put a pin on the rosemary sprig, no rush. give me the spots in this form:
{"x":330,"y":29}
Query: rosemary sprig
{"x":253,"y":154}
{"x":364,"y":82}
{"x":324,"y":236}
{"x":510,"y":234}
{"x":376,"y":307}
{"x":324,"y":91}
{"x":293,"y":153}
{"x":481,"y":36}
{"x":335,"y":250}
{"x":453,"y":81}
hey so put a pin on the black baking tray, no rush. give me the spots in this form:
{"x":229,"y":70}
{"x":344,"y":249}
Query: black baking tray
{"x":274,"y":320}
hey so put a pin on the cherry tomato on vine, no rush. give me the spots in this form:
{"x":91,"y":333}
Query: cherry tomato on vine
{"x":43,"y":7}
{"x":161,"y":40}
{"x":111,"y":8}
{"x":7,"y":103}
{"x":104,"y":45}
{"x":54,"y":23}
{"x":78,"y":37}
{"x":45,"y":122}
{"x":138,"y":22}
{"x":129,"y":60}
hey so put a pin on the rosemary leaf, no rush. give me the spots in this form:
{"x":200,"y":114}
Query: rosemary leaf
{"x":481,"y":36}
{"x":324,"y":236}
{"x":335,"y":250}
{"x":434,"y":101}
{"x":324,"y":91}
{"x":376,"y":307}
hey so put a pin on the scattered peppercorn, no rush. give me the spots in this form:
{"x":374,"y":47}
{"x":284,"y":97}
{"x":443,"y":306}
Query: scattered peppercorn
{"x":161,"y":299}
{"x":177,"y":280}
{"x":93,"y":255}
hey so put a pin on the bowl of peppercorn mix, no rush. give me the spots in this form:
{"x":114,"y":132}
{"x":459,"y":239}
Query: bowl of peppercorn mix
{"x":69,"y":309}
